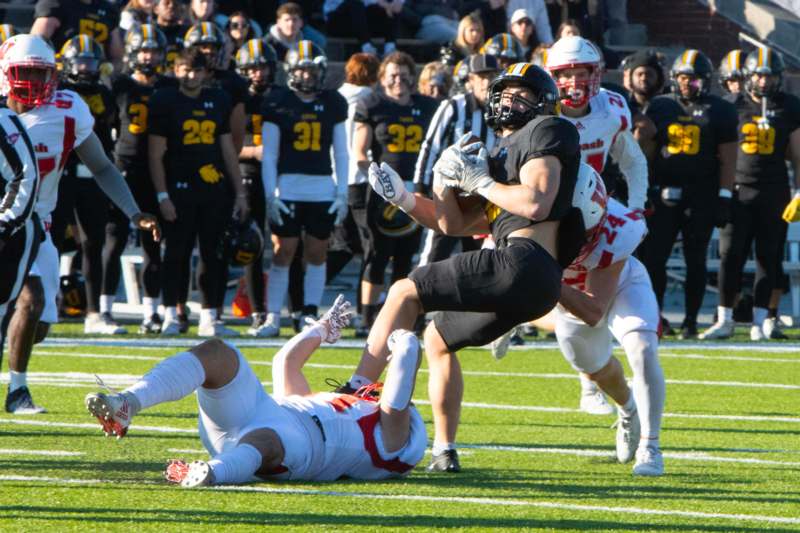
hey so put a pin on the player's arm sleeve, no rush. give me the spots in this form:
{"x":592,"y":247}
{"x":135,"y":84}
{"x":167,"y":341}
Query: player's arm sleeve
{"x":108,"y":177}
{"x":270,"y":144}
{"x":19,"y":173}
{"x":625,"y":151}
{"x":340,"y":158}
{"x":432,"y":145}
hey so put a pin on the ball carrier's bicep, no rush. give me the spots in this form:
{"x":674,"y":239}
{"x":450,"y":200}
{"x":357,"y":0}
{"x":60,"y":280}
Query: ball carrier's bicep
{"x":533,"y":197}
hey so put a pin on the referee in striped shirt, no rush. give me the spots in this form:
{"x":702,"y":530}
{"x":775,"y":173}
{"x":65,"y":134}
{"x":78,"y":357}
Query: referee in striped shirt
{"x":20,"y":230}
{"x":456,"y":116}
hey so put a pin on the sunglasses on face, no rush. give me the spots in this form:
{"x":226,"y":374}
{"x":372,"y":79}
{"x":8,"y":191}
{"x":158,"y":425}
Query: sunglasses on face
{"x":239,"y":25}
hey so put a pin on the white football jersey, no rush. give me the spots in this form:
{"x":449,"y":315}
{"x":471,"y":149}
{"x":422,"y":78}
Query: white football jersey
{"x":55,"y":130}
{"x":608,"y":115}
{"x":622,"y":232}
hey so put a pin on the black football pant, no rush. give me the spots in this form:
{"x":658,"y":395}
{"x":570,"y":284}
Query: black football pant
{"x":756,"y":218}
{"x":92,"y":209}
{"x":254,"y":272}
{"x":695,"y":223}
{"x":202,"y":221}
{"x":439,"y":246}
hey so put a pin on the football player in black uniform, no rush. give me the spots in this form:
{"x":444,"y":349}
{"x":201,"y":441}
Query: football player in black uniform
{"x":169,"y":17}
{"x":195,"y":172}
{"x":256,"y":61}
{"x":505,"y":48}
{"x":526,"y":191}
{"x":693,"y":157}
{"x":392,"y":126}
{"x":306,"y":188}
{"x":61,"y":20}
{"x":81,"y":59}
{"x":145,"y":48}
{"x":730,"y":72}
{"x":769,"y":133}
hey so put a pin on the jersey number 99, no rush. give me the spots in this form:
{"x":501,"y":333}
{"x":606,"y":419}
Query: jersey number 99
{"x":683,"y":139}
{"x":199,"y":132}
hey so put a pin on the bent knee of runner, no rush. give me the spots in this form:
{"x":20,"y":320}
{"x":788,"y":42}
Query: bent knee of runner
{"x":220,"y":362}
{"x":30,"y":301}
{"x":405,"y":292}
{"x":268,"y":444}
{"x":435,"y":346}
{"x":605,"y":372}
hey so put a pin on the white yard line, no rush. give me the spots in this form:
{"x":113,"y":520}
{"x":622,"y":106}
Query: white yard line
{"x":54,"y":453}
{"x":494,"y":502}
{"x":670,"y":355}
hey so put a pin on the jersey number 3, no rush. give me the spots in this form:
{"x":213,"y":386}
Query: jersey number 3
{"x":138,"y":114}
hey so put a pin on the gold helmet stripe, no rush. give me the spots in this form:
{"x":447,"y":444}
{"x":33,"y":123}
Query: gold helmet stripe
{"x":146,"y":32}
{"x":3,"y":35}
{"x":505,"y":41}
{"x":204,"y":29}
{"x":250,"y":48}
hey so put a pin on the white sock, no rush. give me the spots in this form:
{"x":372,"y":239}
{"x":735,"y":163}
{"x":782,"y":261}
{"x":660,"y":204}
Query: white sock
{"x":313,"y":284}
{"x":237,"y":465}
{"x":17,"y":380}
{"x":149,"y":306}
{"x":588,"y":387}
{"x":277,"y":287}
{"x":649,"y":389}
{"x":724,"y":314}
{"x":172,"y":379}
{"x":630,"y":406}
{"x":171,"y":314}
{"x":439,"y":448}
{"x":207,"y":316}
{"x":106,"y":303}
{"x":759,"y":316}
{"x":357,"y":381}
{"x":401,"y":372}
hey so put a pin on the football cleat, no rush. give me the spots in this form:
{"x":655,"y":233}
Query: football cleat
{"x":111,"y":410}
{"x":595,"y":403}
{"x":194,"y":474}
{"x":447,"y":461}
{"x":649,"y":462}
{"x":772,"y":329}
{"x":151,"y":325}
{"x":183,"y":324}
{"x":102,"y":324}
{"x":20,"y":402}
{"x":722,"y":329}
{"x":271,"y":326}
{"x":688,"y":331}
{"x":500,"y":345}
{"x":170,"y":328}
{"x":628,"y":432}
{"x":217,"y":328}
{"x":757,"y":334}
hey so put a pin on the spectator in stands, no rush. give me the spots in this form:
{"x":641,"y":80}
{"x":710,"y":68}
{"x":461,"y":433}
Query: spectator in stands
{"x":287,"y":30}
{"x":60,"y":20}
{"x":435,"y":81}
{"x":137,"y":12}
{"x":568,"y":28}
{"x":240,"y":29}
{"x":205,"y":11}
{"x":469,"y":38}
{"x":537,"y":11}
{"x":521,"y":26}
{"x":438,"y":19}
{"x":170,"y":19}
{"x":353,"y":18}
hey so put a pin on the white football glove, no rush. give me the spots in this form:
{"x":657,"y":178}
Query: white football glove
{"x":465,"y":165}
{"x":339,"y":206}
{"x":276,"y":209}
{"x":387,"y":182}
{"x":334,"y":320}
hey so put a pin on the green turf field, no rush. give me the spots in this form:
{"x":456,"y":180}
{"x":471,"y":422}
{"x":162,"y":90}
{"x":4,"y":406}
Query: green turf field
{"x":731,"y":439}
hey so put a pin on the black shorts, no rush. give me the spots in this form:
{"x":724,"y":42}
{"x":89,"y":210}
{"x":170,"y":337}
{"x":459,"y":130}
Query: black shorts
{"x":311,"y":217}
{"x":485,"y":293}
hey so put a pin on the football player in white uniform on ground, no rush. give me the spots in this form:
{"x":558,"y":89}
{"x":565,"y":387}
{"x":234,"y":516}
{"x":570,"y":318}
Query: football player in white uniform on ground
{"x":291,"y":434}
{"x":607,"y":292}
{"x":57,"y":122}
{"x":604,"y":124}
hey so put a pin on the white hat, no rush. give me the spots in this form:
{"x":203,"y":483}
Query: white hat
{"x":520,"y":14}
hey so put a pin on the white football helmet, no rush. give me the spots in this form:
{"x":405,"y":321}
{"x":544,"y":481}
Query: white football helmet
{"x":21,"y":57}
{"x":575,"y":52}
{"x":591,"y":198}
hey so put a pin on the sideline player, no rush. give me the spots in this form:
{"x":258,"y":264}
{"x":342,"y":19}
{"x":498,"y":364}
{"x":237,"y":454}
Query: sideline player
{"x":57,"y":122}
{"x":604,"y":124}
{"x":529,"y":184}
{"x":291,"y":434}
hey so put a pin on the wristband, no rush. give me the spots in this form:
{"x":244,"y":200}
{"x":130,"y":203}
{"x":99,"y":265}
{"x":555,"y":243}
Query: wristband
{"x":162,"y":196}
{"x":725,"y":193}
{"x":407,"y":202}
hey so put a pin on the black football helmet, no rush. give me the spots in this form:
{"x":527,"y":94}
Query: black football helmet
{"x":81,"y":58}
{"x":692,"y":63}
{"x":207,"y":34}
{"x":763,"y":61}
{"x":545,"y":96}
{"x":730,"y":69}
{"x":505,"y":48}
{"x":306,"y":56}
{"x":242,"y":243}
{"x":145,"y":37}
{"x":253,"y":54}
{"x":6,"y":31}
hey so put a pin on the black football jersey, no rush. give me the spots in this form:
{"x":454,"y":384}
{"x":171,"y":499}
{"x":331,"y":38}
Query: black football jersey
{"x":688,"y":138}
{"x":103,"y":107}
{"x":398,"y":130}
{"x":763,"y":140}
{"x":252,"y":130}
{"x":174,"y":35}
{"x":230,"y":82}
{"x":306,"y":129}
{"x":540,"y":137}
{"x":97,"y":19}
{"x":132,"y":101}
{"x":192,"y":127}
